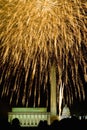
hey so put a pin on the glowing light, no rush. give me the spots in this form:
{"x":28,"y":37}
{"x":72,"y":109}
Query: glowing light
{"x":33,"y":35}
{"x":60,"y":99}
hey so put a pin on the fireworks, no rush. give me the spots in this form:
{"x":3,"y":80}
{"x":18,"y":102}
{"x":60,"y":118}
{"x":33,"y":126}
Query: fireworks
{"x":34,"y":34}
{"x":60,"y":99}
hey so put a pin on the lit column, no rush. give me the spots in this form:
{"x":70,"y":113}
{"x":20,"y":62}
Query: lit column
{"x":53,"y":103}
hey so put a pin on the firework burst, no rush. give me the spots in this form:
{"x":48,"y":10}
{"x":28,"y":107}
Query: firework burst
{"x":34,"y":34}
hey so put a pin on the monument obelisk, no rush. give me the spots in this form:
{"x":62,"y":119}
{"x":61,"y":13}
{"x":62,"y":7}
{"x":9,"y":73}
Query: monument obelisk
{"x":53,"y":101}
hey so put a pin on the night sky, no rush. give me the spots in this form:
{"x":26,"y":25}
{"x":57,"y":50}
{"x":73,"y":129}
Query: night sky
{"x":79,"y":107}
{"x":32,"y":39}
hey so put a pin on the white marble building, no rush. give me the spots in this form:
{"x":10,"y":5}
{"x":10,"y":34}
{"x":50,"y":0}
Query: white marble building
{"x":29,"y":116}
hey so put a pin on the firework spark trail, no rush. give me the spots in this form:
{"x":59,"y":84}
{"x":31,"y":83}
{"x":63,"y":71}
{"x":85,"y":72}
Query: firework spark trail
{"x":43,"y":31}
{"x":61,"y":88}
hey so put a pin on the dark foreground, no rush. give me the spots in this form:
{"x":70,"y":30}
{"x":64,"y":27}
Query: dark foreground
{"x":64,"y":124}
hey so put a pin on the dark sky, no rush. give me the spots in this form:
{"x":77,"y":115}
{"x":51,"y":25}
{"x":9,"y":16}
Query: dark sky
{"x":78,"y":107}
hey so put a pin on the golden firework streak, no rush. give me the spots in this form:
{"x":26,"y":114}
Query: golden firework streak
{"x":33,"y":35}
